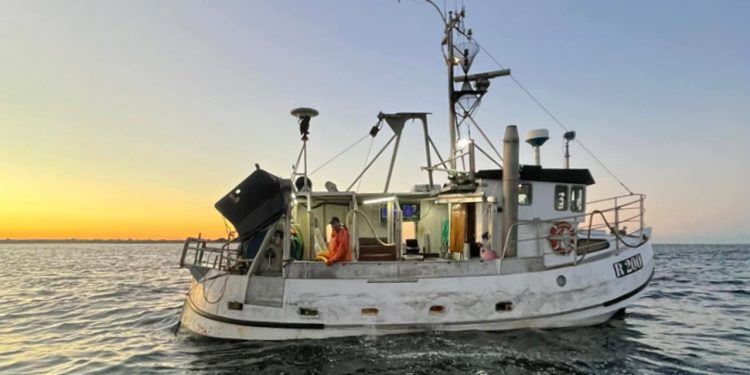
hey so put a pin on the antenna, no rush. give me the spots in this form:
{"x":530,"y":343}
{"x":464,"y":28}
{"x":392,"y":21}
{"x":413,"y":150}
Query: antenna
{"x":536,"y":139}
{"x":568,"y":136}
{"x":304,"y":115}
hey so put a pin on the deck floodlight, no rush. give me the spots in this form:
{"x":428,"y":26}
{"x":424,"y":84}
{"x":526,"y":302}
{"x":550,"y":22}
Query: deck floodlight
{"x":463,"y":143}
{"x":378,"y":200}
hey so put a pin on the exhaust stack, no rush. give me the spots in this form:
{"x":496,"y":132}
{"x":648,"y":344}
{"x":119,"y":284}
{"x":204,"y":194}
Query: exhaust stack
{"x":511,"y":177}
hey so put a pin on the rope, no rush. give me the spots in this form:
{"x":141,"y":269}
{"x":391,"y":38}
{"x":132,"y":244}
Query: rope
{"x":549,"y":113}
{"x":203,"y":286}
{"x":351,"y":214}
{"x":613,"y":230}
{"x":230,"y":232}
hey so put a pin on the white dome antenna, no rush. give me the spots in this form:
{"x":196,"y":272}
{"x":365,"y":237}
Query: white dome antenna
{"x":536,"y":139}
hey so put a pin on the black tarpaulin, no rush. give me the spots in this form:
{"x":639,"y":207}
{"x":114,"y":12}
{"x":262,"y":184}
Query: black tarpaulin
{"x":256,"y":202}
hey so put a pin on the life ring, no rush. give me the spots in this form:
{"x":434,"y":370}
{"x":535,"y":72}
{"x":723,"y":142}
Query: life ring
{"x":562,"y":237}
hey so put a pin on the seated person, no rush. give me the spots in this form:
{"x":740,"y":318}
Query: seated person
{"x":339,"y":249}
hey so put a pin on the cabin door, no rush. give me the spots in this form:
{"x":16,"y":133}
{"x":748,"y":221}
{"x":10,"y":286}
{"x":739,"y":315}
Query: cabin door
{"x":457,"y":228}
{"x":463,"y":228}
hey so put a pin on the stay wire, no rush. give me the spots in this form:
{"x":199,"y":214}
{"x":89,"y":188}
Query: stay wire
{"x":339,"y":154}
{"x":367,"y":158}
{"x":559,"y":123}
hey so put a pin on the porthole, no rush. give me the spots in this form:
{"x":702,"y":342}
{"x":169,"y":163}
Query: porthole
{"x":504,"y":306}
{"x":437,"y":309}
{"x":561,"y":281}
{"x":234,"y":305}
{"x":369,"y":311}
{"x":307,"y":312}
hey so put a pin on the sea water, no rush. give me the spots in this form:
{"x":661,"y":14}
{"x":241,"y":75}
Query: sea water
{"x":114,"y":308}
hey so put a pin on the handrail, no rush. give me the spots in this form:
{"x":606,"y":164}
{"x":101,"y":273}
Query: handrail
{"x":206,"y":256}
{"x":588,"y":220}
{"x":617,"y":197}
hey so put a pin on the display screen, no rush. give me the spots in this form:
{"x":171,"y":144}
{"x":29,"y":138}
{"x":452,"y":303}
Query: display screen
{"x":410,"y":212}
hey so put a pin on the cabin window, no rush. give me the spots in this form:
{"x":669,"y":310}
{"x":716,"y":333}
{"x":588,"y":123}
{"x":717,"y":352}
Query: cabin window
{"x":577,"y":197}
{"x":524,"y":194}
{"x":561,"y":197}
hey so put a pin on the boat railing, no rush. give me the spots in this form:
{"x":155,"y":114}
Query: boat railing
{"x":621,"y":217}
{"x":203,"y":255}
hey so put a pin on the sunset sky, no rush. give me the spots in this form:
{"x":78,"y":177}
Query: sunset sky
{"x":129,"y":119}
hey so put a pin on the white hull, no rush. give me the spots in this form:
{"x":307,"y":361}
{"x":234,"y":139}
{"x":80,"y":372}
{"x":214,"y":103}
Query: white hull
{"x":591,"y":294}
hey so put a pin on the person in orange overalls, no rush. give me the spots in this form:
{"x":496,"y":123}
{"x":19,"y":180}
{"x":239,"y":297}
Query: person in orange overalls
{"x":339,"y":249}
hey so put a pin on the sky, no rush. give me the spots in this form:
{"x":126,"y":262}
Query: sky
{"x":131,"y":119}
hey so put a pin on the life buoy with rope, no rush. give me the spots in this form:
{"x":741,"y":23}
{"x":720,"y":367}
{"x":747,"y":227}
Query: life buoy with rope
{"x":562,"y":237}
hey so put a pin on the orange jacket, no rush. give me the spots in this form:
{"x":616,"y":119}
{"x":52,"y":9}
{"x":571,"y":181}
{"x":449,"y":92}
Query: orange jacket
{"x":339,"y":249}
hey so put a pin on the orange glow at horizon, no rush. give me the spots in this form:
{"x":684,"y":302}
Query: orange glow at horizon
{"x":60,"y":207}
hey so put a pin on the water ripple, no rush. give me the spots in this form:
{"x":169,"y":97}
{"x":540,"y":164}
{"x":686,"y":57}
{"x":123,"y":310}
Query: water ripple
{"x":111,"y":308}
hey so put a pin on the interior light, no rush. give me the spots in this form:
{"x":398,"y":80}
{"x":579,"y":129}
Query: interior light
{"x":378,"y":200}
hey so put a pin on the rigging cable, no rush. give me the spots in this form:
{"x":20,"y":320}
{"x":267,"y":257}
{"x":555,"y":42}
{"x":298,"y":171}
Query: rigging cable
{"x":339,"y":154}
{"x":552,"y":116}
{"x":367,"y":158}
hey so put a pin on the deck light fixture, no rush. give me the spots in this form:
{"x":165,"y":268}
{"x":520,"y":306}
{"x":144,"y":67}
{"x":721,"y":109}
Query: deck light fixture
{"x":463,"y":143}
{"x":378,"y":200}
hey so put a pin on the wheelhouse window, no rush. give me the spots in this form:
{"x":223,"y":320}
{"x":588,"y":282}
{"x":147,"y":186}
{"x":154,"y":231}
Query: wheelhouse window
{"x":561,"y":197}
{"x":577,"y":198}
{"x":524,"y":194}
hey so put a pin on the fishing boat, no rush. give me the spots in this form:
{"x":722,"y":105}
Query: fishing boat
{"x":514,"y":247}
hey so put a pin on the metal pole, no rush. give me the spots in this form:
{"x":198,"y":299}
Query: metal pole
{"x":471,"y":161}
{"x":617,"y":224}
{"x":642,"y":212}
{"x":296,"y":164}
{"x":452,"y":104}
{"x":427,"y":151}
{"x":393,"y":161}
{"x":304,"y":147}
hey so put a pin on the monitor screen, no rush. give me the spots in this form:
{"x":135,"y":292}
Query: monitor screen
{"x":410,"y":212}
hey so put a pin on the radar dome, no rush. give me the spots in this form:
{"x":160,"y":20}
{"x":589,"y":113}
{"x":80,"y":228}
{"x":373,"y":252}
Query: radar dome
{"x":537,"y":137}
